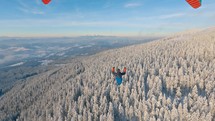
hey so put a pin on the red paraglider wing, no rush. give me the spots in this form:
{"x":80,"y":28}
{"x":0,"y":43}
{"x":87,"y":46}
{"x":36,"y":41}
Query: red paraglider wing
{"x":46,"y":1}
{"x":194,"y":3}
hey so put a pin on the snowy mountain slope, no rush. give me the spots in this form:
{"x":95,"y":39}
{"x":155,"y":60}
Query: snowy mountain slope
{"x":168,"y":79}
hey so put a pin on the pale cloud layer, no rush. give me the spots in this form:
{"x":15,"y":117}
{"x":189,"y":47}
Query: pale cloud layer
{"x":174,"y":15}
{"x":31,"y":9}
{"x":132,"y":5}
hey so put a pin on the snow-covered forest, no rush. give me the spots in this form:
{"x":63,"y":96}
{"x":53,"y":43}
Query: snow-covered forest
{"x":168,"y":79}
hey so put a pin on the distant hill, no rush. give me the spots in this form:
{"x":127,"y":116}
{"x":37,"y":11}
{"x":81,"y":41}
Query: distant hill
{"x":168,"y":79}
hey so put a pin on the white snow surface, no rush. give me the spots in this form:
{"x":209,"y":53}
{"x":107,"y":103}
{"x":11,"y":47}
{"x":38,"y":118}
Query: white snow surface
{"x":17,"y":64}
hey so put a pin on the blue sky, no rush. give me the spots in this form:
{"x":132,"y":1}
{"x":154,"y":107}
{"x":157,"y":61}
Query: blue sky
{"x":31,"y":18}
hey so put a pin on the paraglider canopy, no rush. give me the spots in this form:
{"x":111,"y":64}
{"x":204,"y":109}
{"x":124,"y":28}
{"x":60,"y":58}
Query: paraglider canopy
{"x":195,"y":3}
{"x":46,"y":1}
